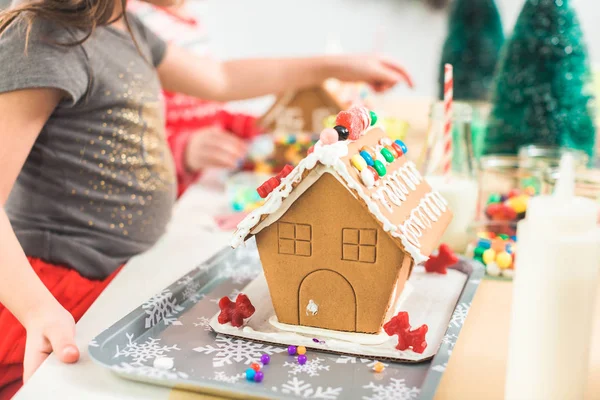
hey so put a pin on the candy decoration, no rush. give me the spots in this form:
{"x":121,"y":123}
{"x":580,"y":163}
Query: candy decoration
{"x":250,"y":373}
{"x":265,"y":359}
{"x":387,"y":155}
{"x":259,"y":376}
{"x":447,"y":137}
{"x":398,"y":149}
{"x":385,"y":141}
{"x":439,"y":263}
{"x":343,"y":132}
{"x":310,"y":150}
{"x":504,"y":260}
{"x":368,"y":177}
{"x":369,"y":151}
{"x":352,"y":122}
{"x":392,"y":150}
{"x":367,"y":157}
{"x":301,"y":350}
{"x":493,"y":269}
{"x":235,"y":312}
{"x":267,"y":187}
{"x":488,"y":256}
{"x":284,"y":172}
{"x":378,"y":166}
{"x":292,"y":350}
{"x":407,"y":338}
{"x":378,"y":367}
{"x":402,"y":146}
{"x":255,"y":366}
{"x":373,"y":118}
{"x":329,"y":136}
{"x":498,"y":244}
{"x":302,"y":359}
{"x":358,"y":162}
{"x":494,"y":198}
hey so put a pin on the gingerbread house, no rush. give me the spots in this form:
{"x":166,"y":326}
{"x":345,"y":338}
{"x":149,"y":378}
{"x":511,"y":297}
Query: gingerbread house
{"x":305,"y":110}
{"x":337,"y":247}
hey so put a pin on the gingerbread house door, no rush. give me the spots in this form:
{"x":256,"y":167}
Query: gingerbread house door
{"x":327,"y":300}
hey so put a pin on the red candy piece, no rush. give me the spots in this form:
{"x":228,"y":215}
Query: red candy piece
{"x":351,"y":121}
{"x":285,"y":171}
{"x":235,"y":312}
{"x":440,"y":263}
{"x":500,"y":212}
{"x":514,"y":193}
{"x":407,"y":338}
{"x":310,"y":149}
{"x":267,"y":187}
{"x":398,"y":149}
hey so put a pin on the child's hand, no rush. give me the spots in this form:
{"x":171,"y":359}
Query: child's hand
{"x":214,"y":147}
{"x":379,"y":72}
{"x":49,"y":331}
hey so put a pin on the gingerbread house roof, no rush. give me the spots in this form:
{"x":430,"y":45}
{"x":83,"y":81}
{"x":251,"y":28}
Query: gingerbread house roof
{"x":332,"y":92}
{"x":401,"y":201}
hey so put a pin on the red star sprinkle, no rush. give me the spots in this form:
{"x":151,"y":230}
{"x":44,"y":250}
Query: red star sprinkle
{"x":444,"y":259}
{"x":235,"y":312}
{"x":407,"y":338}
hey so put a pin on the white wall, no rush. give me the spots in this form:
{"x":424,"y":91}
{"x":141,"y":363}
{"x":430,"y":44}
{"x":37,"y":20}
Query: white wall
{"x":409,"y":30}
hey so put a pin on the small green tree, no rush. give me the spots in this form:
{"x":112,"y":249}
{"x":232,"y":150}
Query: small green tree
{"x":543,"y":91}
{"x":474,"y":40}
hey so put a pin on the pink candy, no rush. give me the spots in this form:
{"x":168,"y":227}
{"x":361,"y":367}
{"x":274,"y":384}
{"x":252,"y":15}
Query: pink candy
{"x":329,"y":136}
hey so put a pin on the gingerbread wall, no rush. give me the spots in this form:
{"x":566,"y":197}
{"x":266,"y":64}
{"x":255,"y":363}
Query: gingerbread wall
{"x":327,"y":248}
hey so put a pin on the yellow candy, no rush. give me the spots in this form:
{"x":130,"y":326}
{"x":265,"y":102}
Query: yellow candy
{"x":489,"y":256}
{"x":301,"y":350}
{"x":358,"y":162}
{"x":262,"y":167}
{"x":518,"y":203}
{"x":378,"y":367}
{"x":503,"y":259}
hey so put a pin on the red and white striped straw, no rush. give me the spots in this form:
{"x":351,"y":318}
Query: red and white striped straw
{"x":447,"y":136}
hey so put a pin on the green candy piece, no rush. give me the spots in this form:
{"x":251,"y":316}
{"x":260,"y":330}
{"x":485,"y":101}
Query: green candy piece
{"x":379,"y":167}
{"x":373,"y":118}
{"x":503,"y":236}
{"x":478,"y":252}
{"x":494,"y":198}
{"x":389,"y":157}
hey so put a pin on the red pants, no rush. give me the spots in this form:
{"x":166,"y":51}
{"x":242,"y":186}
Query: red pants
{"x":74,"y":292}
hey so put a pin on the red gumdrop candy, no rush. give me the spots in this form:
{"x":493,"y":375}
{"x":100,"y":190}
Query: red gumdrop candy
{"x":351,"y":121}
{"x":440,"y":262}
{"x":500,"y":212}
{"x":235,"y":312}
{"x":407,"y":338}
{"x":267,"y":187}
{"x":285,"y":171}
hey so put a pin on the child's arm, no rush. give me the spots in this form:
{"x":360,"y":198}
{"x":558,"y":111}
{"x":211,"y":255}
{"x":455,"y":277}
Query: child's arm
{"x":183,"y":72}
{"x":49,"y":326}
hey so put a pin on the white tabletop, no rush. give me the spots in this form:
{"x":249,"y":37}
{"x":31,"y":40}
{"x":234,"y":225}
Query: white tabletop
{"x":191,"y":238}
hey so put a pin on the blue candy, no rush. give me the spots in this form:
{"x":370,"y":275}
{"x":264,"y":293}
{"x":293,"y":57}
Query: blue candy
{"x":367,"y":157}
{"x":250,"y":374}
{"x":484,"y":243}
{"x":402,"y":146}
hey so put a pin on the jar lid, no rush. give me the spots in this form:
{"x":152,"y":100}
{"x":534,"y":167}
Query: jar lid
{"x":549,"y":156}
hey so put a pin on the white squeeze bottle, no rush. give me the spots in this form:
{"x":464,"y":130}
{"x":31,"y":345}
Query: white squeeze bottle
{"x":556,"y":278}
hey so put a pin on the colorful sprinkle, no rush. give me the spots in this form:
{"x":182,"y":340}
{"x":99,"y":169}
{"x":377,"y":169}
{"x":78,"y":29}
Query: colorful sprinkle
{"x":255,"y":366}
{"x":301,"y":350}
{"x":368,"y":177}
{"x":302,"y":359}
{"x":389,"y":157}
{"x":489,"y":256}
{"x":504,"y":260}
{"x":392,"y":150}
{"x":250,"y":373}
{"x":265,"y":359}
{"x":402,"y":146}
{"x":378,"y":367}
{"x":378,"y":165}
{"x":292,"y":350}
{"x":369,"y":150}
{"x":367,"y":157}
{"x":358,"y":162}
{"x":259,"y":376}
{"x":398,"y":149}
{"x":373,"y":118}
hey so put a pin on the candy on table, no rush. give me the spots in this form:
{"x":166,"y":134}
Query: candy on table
{"x":235,"y":312}
{"x":440,"y":262}
{"x":495,"y":251}
{"x":378,"y":367}
{"x":255,"y":366}
{"x":509,"y":207}
{"x":301,"y":350}
{"x":259,"y":376}
{"x":265,"y":359}
{"x":302,"y":359}
{"x":250,"y":373}
{"x":292,"y":350}
{"x":407,"y":338}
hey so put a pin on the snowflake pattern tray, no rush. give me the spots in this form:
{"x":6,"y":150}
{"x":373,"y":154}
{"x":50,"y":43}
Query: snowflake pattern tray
{"x":174,"y":326}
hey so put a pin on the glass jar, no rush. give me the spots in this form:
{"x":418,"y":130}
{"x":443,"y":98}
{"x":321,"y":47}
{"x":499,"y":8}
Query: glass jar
{"x":587,"y":182}
{"x":547,"y":157}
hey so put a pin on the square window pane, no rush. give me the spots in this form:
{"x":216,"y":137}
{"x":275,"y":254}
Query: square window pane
{"x":303,"y":232}
{"x":303,"y":248}
{"x":286,"y":246}
{"x":366,"y":254}
{"x":368,"y":236}
{"x":286,"y":230}
{"x":350,"y":236}
{"x":350,"y":252}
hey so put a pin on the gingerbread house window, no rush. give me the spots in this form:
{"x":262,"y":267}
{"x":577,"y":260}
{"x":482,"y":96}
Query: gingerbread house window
{"x":294,"y":239}
{"x":359,"y":245}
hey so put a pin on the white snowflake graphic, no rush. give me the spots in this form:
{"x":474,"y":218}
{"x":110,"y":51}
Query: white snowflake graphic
{"x":93,"y":343}
{"x":220,"y":376}
{"x":142,"y":352}
{"x":311,"y":368}
{"x":239,"y":273}
{"x":232,"y":296}
{"x":440,"y":367}
{"x":203,"y":323}
{"x":149,"y":371}
{"x":192,"y":287}
{"x":460,"y":314}
{"x":395,"y":390}
{"x":354,"y":360}
{"x":228,"y":350}
{"x":162,"y":307}
{"x":305,"y":390}
{"x":450,"y":339}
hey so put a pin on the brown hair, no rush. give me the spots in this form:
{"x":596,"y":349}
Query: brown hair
{"x":83,"y":15}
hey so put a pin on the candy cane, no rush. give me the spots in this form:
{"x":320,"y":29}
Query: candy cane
{"x":447,"y":134}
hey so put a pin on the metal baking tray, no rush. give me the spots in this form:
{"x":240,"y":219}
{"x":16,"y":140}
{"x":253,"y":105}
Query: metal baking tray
{"x":173,"y":326}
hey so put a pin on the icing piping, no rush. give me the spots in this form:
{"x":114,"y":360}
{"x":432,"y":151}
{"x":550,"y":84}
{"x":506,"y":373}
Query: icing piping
{"x":408,"y":232}
{"x":395,"y":190}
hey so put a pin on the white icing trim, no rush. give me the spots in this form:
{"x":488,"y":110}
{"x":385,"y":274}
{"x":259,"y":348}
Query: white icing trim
{"x":329,"y":156}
